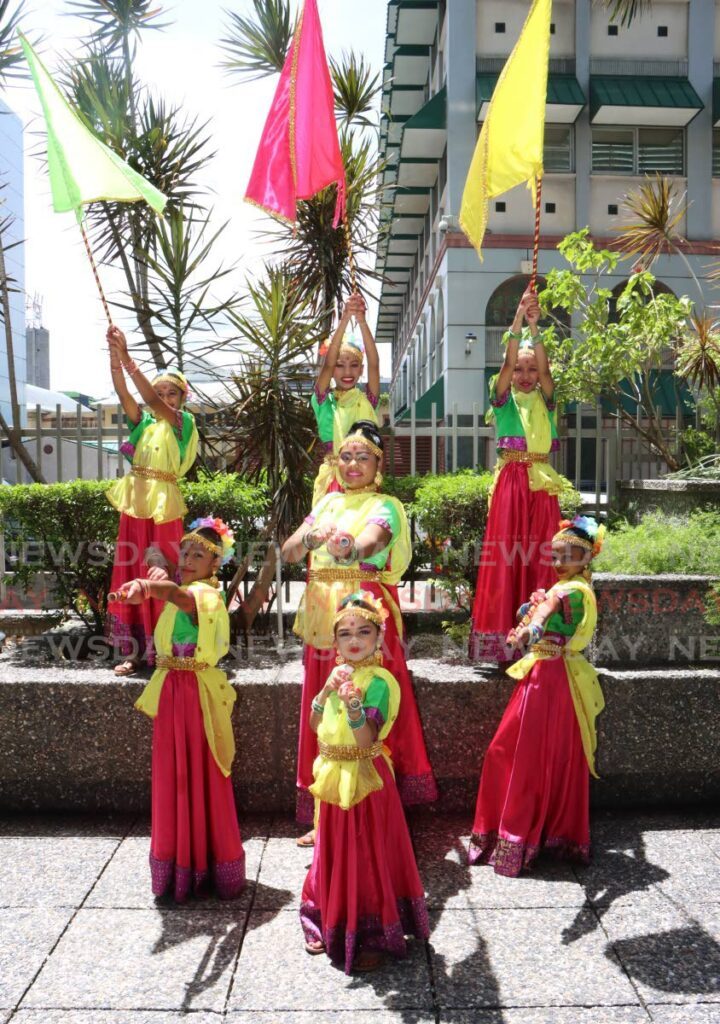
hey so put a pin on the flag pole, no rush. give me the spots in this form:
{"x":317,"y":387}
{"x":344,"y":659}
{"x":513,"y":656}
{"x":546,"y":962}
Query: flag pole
{"x":536,"y":237}
{"x":104,"y":301}
{"x":351,"y":257}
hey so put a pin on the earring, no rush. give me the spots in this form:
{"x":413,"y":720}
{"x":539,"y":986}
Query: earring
{"x":378,"y":656}
{"x":378,"y":479}
{"x":214,"y":581}
{"x":339,"y":660}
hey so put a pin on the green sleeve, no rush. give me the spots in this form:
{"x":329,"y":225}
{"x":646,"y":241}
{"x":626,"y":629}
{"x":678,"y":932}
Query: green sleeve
{"x":377,"y":696}
{"x":324,"y":415}
{"x":571,"y":613}
{"x":387,"y":515}
{"x":188,"y":425}
{"x":136,"y":429}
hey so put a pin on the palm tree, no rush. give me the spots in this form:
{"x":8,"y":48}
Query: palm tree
{"x":626,"y":11}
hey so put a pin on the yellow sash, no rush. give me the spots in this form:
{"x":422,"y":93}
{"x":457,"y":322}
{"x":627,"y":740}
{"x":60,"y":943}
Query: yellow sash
{"x":538,"y":436}
{"x":346,"y":783}
{"x":583,"y":679}
{"x":216,"y":695}
{"x":319,"y":603}
{"x":160,"y":500}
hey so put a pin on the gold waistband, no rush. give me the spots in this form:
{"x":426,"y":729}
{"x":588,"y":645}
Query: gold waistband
{"x":342,"y":575}
{"x":510,"y":455}
{"x":172,"y":663}
{"x":547,"y":649}
{"x":153,"y":474}
{"x":350,"y":753}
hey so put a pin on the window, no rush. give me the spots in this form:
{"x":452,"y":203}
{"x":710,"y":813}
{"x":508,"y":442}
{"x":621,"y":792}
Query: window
{"x":552,"y":28}
{"x":612,"y":30}
{"x":500,"y":207}
{"x":716,"y":154}
{"x":638,"y":151}
{"x":558,"y":153}
{"x":500,"y":27}
{"x":662,"y":31}
{"x":549,"y":207}
{"x":613,"y":209}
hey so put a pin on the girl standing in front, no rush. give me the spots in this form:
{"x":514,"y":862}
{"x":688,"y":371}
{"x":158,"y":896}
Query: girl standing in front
{"x":362,"y":894}
{"x":195,"y":844}
{"x":162,"y":447}
{"x":336,"y":409}
{"x":524,"y":510}
{"x":534,"y":789}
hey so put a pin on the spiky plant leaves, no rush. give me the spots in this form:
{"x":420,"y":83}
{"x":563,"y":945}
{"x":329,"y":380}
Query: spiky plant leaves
{"x":256,"y":46}
{"x":625,"y":11}
{"x":355,"y":88}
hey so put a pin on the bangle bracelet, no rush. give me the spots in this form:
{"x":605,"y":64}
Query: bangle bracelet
{"x":308,"y":542}
{"x":357,"y":723}
{"x":537,"y":631}
{"x":131,"y":367}
{"x":317,"y":707}
{"x":355,"y":704}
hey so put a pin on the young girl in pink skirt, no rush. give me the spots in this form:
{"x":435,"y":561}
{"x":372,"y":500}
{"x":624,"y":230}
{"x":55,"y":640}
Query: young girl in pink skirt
{"x":534,"y":789}
{"x":363,"y":894}
{"x":195,"y":844}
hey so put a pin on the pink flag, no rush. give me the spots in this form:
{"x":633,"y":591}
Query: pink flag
{"x":299,"y":152}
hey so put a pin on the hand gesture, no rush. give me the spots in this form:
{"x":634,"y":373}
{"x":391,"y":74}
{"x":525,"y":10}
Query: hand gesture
{"x":347,"y":692}
{"x":323,"y":533}
{"x":356,"y":307}
{"x":519,"y":639}
{"x":132,"y":592}
{"x":530,"y":306}
{"x":117,"y":343}
{"x":156,"y":572}
{"x":340,"y":544}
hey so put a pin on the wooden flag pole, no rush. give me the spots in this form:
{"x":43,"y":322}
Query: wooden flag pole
{"x":351,"y":258}
{"x":86,"y":240}
{"x":536,"y":238}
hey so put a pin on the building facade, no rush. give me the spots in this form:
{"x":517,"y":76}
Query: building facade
{"x":623,"y":103}
{"x":12,"y":218}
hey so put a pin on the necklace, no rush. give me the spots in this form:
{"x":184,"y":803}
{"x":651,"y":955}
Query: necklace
{"x":367,"y":489}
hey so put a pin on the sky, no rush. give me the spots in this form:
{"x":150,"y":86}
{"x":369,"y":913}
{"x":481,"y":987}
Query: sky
{"x":181,"y":64}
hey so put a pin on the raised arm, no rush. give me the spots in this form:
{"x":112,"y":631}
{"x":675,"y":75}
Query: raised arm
{"x":504,"y":378}
{"x":130,"y":407}
{"x":148,"y":394}
{"x":137,"y":591}
{"x":328,"y":366}
{"x":532,"y":315}
{"x":372,"y":358}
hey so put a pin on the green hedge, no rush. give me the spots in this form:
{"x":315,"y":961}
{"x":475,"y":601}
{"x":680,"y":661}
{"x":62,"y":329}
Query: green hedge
{"x":661,"y":543}
{"x":68,"y":530}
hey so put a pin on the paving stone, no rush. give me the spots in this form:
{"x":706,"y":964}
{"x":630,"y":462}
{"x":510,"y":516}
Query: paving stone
{"x":115,"y":1017}
{"x":282,"y":873}
{"x":140,"y":959}
{"x":276,"y":974}
{"x":496,"y":958}
{"x":688,"y":1013}
{"x":673,"y":956}
{"x":72,"y":825}
{"x":452,"y":884}
{"x":548,"y":1015}
{"x":126,"y":880}
{"x":51,"y":872}
{"x":26,"y":938}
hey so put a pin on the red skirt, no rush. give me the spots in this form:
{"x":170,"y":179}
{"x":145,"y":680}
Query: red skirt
{"x":130,"y":627}
{"x":534,"y":788}
{"x":415,"y":780}
{"x":515,"y":560}
{"x":363,"y":890}
{"x":195,"y":843}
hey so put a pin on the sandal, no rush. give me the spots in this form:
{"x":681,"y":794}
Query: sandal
{"x":315,"y":948}
{"x":126,"y":668}
{"x":366,"y":960}
{"x":307,"y":840}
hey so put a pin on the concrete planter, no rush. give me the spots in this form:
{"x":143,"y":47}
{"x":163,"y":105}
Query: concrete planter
{"x":676,"y":497}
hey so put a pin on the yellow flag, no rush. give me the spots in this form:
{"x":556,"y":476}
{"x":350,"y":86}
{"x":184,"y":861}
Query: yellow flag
{"x":510,"y":148}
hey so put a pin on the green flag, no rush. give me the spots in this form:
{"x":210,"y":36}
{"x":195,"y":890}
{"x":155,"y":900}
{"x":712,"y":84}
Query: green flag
{"x":82,"y":168}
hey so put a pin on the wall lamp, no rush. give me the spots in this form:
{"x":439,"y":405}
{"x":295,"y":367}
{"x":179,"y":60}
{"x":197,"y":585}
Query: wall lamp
{"x":470,"y":337}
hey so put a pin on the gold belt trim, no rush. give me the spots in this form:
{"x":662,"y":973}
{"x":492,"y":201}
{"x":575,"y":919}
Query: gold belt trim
{"x":341,"y":575}
{"x":153,"y":474}
{"x":547,"y":649}
{"x":172,"y":663}
{"x":350,"y":753}
{"x":510,"y":455}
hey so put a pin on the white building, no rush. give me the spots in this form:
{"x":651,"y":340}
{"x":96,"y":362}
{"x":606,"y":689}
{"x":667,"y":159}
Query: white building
{"x":11,"y":207}
{"x":623,"y":102}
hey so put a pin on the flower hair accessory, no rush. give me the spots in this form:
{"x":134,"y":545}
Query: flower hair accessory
{"x":226,"y":551}
{"x":352,"y":346}
{"x":583,"y":532}
{"x":364,"y":604}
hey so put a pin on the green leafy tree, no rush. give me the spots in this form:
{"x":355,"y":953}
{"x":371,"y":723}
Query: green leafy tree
{"x":617,"y":347}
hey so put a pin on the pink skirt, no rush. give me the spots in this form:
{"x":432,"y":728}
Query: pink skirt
{"x":534,"y":788}
{"x":195,"y":844}
{"x":363,"y":890}
{"x":130,"y":627}
{"x":415,"y":780}
{"x":515,"y":560}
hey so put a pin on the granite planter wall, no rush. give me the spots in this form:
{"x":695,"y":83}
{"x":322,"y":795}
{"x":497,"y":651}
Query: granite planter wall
{"x":676,"y":497}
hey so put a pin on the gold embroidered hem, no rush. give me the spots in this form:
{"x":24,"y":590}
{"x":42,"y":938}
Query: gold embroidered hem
{"x":349,"y":753}
{"x":510,"y":455}
{"x":171,"y":663}
{"x":547,"y":649}
{"x":153,"y":474}
{"x":349,"y":575}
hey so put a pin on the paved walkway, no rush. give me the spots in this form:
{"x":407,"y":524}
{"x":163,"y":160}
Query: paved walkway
{"x":634,"y":938}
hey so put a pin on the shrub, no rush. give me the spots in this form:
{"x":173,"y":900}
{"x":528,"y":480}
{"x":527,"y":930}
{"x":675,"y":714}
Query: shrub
{"x":68,"y":531}
{"x":661,"y":543}
{"x":404,"y":488}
